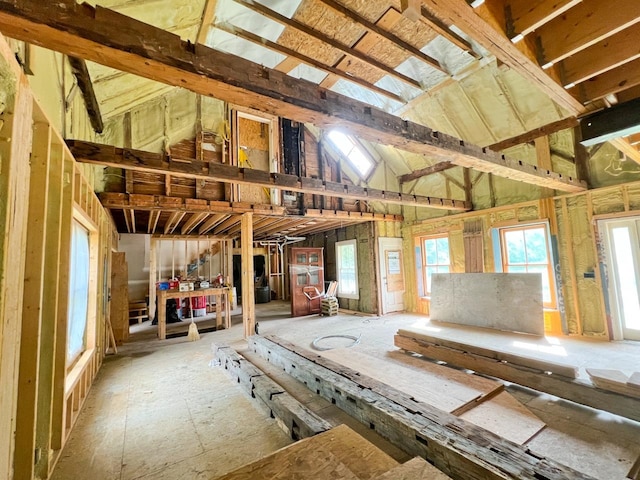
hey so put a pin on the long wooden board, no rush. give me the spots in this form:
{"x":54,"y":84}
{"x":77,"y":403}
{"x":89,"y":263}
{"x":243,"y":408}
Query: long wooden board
{"x":442,"y":387}
{"x":337,"y":454}
{"x":557,"y":368}
{"x":115,"y":40}
{"x":558,"y":385}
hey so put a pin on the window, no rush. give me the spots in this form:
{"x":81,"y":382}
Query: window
{"x":433,"y":258}
{"x":352,"y":151}
{"x":526,"y":250}
{"x":347,"y":269}
{"x":78,"y":293}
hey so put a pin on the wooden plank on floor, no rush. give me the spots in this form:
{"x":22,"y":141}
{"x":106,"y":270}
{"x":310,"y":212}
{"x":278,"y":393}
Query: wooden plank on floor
{"x":505,"y":416}
{"x":563,"y":387}
{"x":414,"y":469}
{"x":558,"y":368}
{"x":339,"y":453}
{"x":436,"y":385}
{"x":613,"y":380}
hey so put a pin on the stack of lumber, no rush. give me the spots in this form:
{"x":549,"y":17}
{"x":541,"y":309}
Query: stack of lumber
{"x":555,"y":378}
{"x":339,"y":454}
{"x":616,"y":381}
{"x":329,"y":306}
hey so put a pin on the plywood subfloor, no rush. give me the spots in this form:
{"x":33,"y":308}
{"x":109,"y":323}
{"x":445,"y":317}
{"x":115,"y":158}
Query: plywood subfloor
{"x":339,"y":454}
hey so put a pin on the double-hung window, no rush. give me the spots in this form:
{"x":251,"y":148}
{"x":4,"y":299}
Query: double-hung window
{"x":434,"y":258}
{"x":347,"y":269}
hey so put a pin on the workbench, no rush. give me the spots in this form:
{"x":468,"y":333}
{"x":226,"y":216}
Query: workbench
{"x":221,"y":294}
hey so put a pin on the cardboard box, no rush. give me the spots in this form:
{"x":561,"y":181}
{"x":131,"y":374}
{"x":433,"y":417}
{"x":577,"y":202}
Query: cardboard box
{"x":184,"y":286}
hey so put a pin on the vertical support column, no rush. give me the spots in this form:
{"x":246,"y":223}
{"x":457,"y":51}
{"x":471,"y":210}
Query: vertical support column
{"x":58,"y":424}
{"x":248,"y":303}
{"x":152,"y":277}
{"x":32,"y":304}
{"x":229,"y":262}
{"x":581,"y":158}
{"x":15,"y":149}
{"x":51,"y":298}
{"x":543,"y":154}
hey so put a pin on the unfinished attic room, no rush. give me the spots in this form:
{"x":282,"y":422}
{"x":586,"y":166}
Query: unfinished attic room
{"x":320,"y":239}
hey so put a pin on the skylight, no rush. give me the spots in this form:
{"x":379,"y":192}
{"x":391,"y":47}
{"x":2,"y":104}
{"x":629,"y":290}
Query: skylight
{"x":352,"y":151}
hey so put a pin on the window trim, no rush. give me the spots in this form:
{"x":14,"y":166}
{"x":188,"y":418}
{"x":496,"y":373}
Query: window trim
{"x":423,"y":251}
{"x":339,"y":293}
{"x":502,"y":261}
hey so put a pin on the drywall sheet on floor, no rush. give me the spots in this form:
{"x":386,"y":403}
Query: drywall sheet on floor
{"x":503,"y":301}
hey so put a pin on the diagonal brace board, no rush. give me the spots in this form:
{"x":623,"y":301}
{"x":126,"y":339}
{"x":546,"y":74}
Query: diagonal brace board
{"x":129,"y":159}
{"x":123,"y":43}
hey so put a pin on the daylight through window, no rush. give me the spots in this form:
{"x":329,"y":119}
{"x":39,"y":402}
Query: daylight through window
{"x":352,"y":151}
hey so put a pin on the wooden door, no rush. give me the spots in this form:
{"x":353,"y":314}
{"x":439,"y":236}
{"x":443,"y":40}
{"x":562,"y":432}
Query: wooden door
{"x":391,"y":273}
{"x":306,"y":269}
{"x":119,"y":297}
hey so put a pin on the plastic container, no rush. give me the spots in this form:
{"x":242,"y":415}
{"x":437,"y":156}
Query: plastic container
{"x":199,"y":306}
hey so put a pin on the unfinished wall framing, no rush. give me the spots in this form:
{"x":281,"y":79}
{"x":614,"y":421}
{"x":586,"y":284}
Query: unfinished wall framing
{"x":44,"y":190}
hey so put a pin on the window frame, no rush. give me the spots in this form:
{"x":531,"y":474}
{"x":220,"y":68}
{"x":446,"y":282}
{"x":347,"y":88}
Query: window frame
{"x":339,"y":292}
{"x":504,"y":257}
{"x":356,"y":146}
{"x":425,"y":266}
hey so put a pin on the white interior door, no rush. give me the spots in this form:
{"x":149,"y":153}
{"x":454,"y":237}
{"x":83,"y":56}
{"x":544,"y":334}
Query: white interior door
{"x":624,"y":276}
{"x":391,"y":274}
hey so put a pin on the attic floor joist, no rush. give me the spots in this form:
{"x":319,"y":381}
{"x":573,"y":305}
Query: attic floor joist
{"x":129,"y":159}
{"x":120,"y":42}
{"x":221,"y":220}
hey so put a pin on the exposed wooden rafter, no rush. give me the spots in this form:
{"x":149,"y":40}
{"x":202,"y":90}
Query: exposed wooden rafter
{"x":531,"y":135}
{"x":208,"y":15}
{"x":136,"y":160}
{"x":300,"y":58}
{"x":443,"y":29}
{"x":423,"y":172}
{"x":524,"y":16}
{"x":623,"y":145}
{"x":383,"y":33}
{"x":80,"y":71}
{"x":345,"y":49}
{"x":124,"y":43}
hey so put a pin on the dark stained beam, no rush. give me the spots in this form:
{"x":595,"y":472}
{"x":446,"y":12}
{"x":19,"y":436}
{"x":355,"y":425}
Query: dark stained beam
{"x":531,"y":135}
{"x":79,"y":69}
{"x":620,"y":120}
{"x":121,"y":42}
{"x":423,"y":172}
{"x":136,"y":160}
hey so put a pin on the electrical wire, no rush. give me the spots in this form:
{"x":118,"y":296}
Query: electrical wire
{"x":356,"y":341}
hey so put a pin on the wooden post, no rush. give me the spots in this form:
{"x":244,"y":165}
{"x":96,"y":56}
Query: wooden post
{"x":229,"y":262}
{"x":248,"y":304}
{"x":32,"y":304}
{"x":152,"y":278}
{"x":15,"y":148}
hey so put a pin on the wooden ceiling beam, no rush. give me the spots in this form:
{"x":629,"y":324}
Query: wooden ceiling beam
{"x":124,"y":43}
{"x":192,"y":222}
{"x":612,"y":52}
{"x":525,"y":16}
{"x":208,"y":16}
{"x":275,"y":47}
{"x":173,"y":221}
{"x":345,"y":49}
{"x":582,"y":26}
{"x":153,"y":221}
{"x":531,"y":135}
{"x":623,"y":145}
{"x":423,"y":172}
{"x":211,"y":222}
{"x":80,"y":71}
{"x":381,"y":32}
{"x":222,"y":227}
{"x":486,"y":26}
{"x":442,"y":29}
{"x":611,"y":82}
{"x":136,"y":160}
